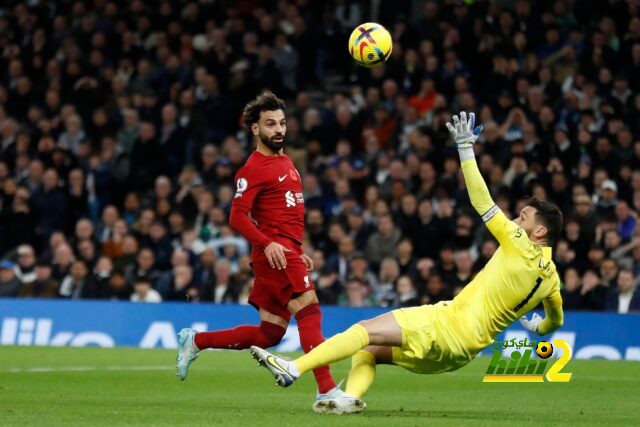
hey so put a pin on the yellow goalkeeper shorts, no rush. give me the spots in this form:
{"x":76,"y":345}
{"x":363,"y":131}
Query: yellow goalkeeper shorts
{"x":428,"y":344}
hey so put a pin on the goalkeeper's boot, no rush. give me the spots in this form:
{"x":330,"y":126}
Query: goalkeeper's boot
{"x":336,"y":401}
{"x":187,"y":351}
{"x":284,"y":371}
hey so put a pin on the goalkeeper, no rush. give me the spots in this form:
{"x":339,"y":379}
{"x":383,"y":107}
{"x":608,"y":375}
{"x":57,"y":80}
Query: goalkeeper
{"x":446,"y":336}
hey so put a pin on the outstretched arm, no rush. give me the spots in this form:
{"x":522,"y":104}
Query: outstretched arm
{"x":509,"y":235}
{"x":464,"y":135}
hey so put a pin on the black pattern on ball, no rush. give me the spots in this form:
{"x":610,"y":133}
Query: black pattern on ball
{"x":544,"y":349}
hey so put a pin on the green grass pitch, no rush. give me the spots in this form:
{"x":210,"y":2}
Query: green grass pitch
{"x":92,"y":386}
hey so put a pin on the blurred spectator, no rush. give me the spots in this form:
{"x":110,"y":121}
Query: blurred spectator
{"x":174,"y":283}
{"x":9,"y":283}
{"x":359,"y":268}
{"x":436,"y":290}
{"x":356,"y":294}
{"x":119,"y":288}
{"x":464,"y":270}
{"x":382,"y":243}
{"x":328,"y":287}
{"x":76,"y":284}
{"x":626,"y":221}
{"x":339,"y":262}
{"x":607,"y":200}
{"x":571,"y":292}
{"x":384,"y":292}
{"x":99,"y":279}
{"x":25,"y":268}
{"x":143,"y":266}
{"x":143,"y":292}
{"x":223,"y":289}
{"x":407,"y":293}
{"x":624,"y":298}
{"x":593,"y":291}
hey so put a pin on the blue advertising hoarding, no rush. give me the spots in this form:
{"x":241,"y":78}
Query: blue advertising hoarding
{"x":111,"y":324}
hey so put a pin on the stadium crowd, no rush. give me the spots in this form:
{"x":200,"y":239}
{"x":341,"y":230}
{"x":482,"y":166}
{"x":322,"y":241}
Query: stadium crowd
{"x":120,"y":134}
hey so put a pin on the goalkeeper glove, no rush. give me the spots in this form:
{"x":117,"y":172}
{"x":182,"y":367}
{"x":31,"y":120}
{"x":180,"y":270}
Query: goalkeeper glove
{"x":531,"y":325}
{"x":464,"y":134}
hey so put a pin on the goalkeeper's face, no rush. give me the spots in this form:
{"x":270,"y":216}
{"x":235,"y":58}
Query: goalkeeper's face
{"x":528,"y":222}
{"x":271,"y":129}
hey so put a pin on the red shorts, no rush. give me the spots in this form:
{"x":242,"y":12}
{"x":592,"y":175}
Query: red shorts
{"x":273,"y":288}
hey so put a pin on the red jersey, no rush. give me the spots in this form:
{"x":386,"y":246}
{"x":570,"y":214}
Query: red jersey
{"x":270,"y":188}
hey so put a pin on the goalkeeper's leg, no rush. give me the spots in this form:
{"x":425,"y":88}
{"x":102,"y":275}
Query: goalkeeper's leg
{"x":363,"y":368}
{"x":380,"y":331}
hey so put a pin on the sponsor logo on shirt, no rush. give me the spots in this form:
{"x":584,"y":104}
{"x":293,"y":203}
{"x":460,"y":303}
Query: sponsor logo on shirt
{"x":291,"y":201}
{"x":292,"y":198}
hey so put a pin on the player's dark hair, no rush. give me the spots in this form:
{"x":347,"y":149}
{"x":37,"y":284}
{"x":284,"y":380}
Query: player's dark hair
{"x":549,"y":215}
{"x":266,"y":101}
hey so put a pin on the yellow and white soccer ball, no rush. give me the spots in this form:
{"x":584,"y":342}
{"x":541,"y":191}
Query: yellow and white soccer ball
{"x":370,"y":44}
{"x":544,"y":349}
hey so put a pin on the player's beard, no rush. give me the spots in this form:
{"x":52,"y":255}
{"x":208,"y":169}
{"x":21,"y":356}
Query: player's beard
{"x":274,"y":146}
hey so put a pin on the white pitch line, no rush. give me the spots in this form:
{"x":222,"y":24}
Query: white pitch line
{"x":88,"y":369}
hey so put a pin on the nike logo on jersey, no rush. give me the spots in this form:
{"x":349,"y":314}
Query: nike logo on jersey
{"x":282,"y":178}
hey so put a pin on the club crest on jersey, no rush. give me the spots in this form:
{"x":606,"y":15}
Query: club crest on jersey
{"x":241,"y":186}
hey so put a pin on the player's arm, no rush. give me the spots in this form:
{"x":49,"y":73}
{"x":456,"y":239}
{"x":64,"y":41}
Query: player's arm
{"x":239,"y":220}
{"x":554,"y":316}
{"x":508,"y":234}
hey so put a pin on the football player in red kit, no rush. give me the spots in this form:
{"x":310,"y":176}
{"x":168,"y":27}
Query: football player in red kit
{"x":269,"y":188}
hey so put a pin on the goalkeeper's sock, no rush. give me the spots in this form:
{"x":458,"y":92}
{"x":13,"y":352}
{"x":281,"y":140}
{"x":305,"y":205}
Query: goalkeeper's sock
{"x":266,"y":335}
{"x":310,"y":330}
{"x":363,"y":371}
{"x":336,"y":348}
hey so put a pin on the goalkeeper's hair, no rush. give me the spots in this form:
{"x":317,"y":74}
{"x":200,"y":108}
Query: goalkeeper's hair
{"x":266,"y":101}
{"x":549,"y":215}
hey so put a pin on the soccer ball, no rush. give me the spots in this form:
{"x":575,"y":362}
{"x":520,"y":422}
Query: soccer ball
{"x":544,"y":349}
{"x":370,"y":44}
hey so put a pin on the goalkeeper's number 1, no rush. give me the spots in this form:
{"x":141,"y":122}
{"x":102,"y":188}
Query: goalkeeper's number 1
{"x":528,"y":297}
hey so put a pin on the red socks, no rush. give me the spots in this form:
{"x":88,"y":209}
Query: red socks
{"x":310,"y":329}
{"x":269,"y":334}
{"x":266,"y":335}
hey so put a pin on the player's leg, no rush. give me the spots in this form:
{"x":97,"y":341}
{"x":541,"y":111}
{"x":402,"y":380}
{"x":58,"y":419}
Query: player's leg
{"x":363,"y":368}
{"x":268,"y":333}
{"x":306,"y":309}
{"x":382,"y":330}
{"x":274,"y":320}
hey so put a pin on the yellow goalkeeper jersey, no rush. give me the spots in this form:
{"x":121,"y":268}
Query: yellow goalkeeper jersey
{"x":516,"y":279}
